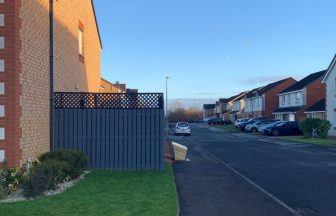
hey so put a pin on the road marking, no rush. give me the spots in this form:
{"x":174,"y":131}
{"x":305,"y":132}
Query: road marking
{"x":255,"y":185}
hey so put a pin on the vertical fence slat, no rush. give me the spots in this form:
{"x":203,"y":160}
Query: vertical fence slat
{"x":112,"y":141}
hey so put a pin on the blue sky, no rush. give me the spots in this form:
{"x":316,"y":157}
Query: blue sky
{"x":213,"y":48}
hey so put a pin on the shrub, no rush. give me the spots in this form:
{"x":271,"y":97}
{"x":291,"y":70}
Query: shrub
{"x":76,"y":160}
{"x":308,"y":125}
{"x":322,"y":127}
{"x":11,"y":180}
{"x":45,"y":176}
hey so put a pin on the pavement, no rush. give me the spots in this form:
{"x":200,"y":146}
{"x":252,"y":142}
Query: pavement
{"x":242,"y":175}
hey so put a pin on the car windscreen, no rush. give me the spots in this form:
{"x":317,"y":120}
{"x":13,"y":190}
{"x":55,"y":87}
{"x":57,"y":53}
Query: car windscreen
{"x":182,"y":125}
{"x":280,"y":124}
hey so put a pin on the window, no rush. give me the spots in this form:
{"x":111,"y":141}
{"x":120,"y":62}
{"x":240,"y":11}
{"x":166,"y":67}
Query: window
{"x":81,"y":40}
{"x":298,"y":97}
{"x":282,"y":99}
{"x":288,"y":99}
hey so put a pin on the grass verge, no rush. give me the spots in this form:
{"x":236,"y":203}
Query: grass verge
{"x":107,"y":193}
{"x":316,"y":141}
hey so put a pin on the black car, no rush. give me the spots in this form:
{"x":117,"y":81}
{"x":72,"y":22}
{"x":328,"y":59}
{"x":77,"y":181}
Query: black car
{"x":284,"y":128}
{"x":215,"y":121}
{"x":242,"y":126}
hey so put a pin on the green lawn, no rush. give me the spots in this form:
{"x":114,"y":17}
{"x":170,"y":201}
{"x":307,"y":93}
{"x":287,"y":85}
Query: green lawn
{"x":230,"y":128}
{"x":317,"y":141}
{"x":108,"y":193}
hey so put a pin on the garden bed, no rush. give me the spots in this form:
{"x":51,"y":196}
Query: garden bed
{"x":107,"y":193}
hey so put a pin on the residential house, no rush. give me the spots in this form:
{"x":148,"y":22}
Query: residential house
{"x":318,"y":110}
{"x":238,"y":107}
{"x":108,"y":87}
{"x":217,"y":109}
{"x":253,"y":104}
{"x":209,"y":110}
{"x":330,"y":80}
{"x":119,"y":87}
{"x":263,"y":101}
{"x":294,"y":100}
{"x":229,"y":106}
{"x":25,"y":68}
{"x":221,"y":108}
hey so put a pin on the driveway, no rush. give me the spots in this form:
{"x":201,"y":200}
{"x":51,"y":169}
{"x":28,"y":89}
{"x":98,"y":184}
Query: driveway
{"x":234,"y":174}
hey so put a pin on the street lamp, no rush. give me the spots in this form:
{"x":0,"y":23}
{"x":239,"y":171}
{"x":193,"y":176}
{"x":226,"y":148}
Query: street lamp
{"x":166,"y":110}
{"x":167,"y":77}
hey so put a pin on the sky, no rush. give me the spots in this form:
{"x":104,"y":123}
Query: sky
{"x":213,"y":48}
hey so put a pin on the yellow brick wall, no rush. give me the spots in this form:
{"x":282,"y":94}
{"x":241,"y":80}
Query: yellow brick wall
{"x":34,"y":78}
{"x":70,"y":73}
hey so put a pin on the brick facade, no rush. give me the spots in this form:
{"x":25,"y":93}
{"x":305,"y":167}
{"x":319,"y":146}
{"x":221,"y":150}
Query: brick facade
{"x":316,"y":91}
{"x":108,"y":87}
{"x":272,"y":99}
{"x":26,"y":75}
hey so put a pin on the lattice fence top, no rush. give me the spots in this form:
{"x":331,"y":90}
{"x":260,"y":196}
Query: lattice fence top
{"x":81,"y":100}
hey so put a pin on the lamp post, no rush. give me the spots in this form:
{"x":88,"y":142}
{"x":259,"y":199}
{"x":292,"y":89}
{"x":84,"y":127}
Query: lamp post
{"x":167,"y":77}
{"x":166,"y":110}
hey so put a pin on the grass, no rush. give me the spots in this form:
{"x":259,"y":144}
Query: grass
{"x":107,"y":193}
{"x":316,"y":141}
{"x":230,"y":128}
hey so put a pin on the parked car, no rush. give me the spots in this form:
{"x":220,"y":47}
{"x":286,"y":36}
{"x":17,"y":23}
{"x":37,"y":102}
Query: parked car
{"x":227,"y":122}
{"x":263,"y":127}
{"x":242,"y":120}
{"x":215,"y":121}
{"x":242,"y":126}
{"x":255,"y":126}
{"x":182,"y":128}
{"x":284,"y":128}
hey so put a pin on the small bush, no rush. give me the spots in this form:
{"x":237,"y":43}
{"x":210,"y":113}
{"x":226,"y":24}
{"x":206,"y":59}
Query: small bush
{"x":76,"y":160}
{"x":322,"y":127}
{"x":45,"y":176}
{"x":10,"y":180}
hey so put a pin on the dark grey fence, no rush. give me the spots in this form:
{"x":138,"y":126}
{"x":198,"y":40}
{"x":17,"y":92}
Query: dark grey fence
{"x":115,"y":131}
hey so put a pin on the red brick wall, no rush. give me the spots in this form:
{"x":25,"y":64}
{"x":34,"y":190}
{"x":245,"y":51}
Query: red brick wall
{"x":10,"y":54}
{"x":316,"y":91}
{"x":272,"y":98}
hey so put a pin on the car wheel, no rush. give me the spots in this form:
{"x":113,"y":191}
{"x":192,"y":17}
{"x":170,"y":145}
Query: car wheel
{"x":276,"y":133}
{"x":254,"y":130}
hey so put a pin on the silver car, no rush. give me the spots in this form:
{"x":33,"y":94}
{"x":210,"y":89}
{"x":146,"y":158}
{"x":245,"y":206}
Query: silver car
{"x":262,"y":129}
{"x":255,"y":126}
{"x":182,"y":128}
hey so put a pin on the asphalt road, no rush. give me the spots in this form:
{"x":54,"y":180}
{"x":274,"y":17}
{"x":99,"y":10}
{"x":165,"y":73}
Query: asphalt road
{"x":233,"y":174}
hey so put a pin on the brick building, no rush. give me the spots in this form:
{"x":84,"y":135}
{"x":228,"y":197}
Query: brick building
{"x":25,"y":72}
{"x":264,"y":101}
{"x":209,"y":110}
{"x":294,"y":100}
{"x":108,"y":87}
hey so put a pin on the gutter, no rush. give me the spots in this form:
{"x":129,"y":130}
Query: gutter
{"x":51,"y":70}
